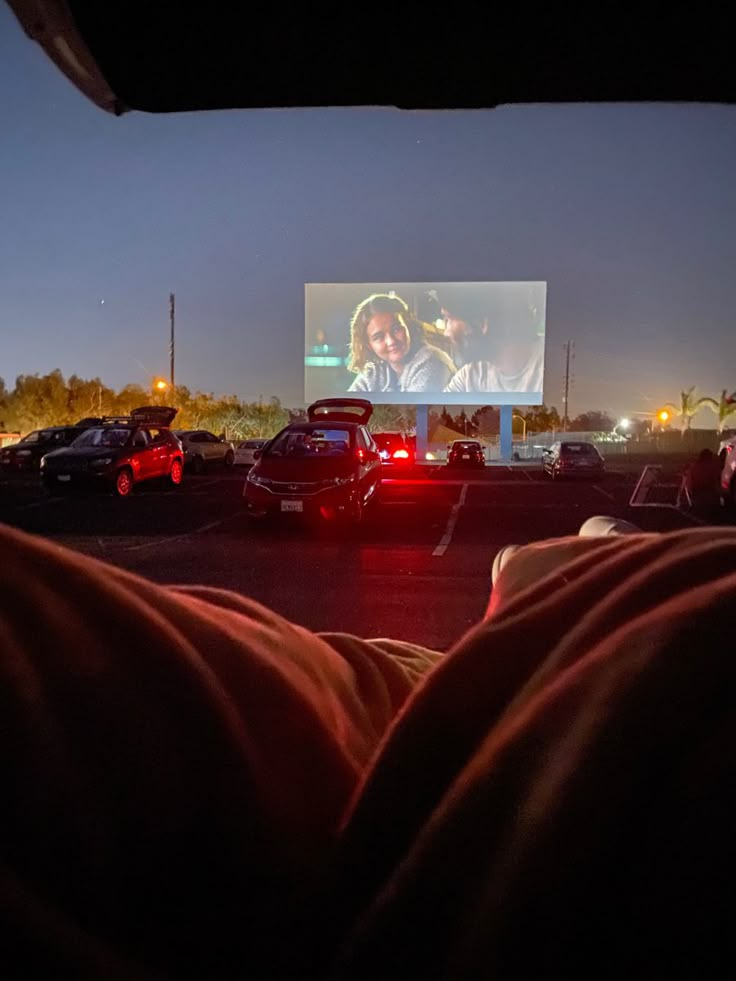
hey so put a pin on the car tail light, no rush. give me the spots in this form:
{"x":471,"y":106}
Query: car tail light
{"x":360,"y":455}
{"x":401,"y":455}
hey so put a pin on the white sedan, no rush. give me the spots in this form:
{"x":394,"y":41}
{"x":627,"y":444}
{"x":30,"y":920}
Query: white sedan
{"x":244,"y":451}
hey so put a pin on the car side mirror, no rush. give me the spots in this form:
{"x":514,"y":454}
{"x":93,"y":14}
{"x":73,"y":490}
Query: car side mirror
{"x":257,"y":454}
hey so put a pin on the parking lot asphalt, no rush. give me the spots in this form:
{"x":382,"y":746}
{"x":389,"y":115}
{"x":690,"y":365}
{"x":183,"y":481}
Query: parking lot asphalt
{"x":418,"y":568}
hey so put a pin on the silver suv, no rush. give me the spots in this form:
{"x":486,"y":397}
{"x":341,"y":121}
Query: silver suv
{"x":202,"y":448}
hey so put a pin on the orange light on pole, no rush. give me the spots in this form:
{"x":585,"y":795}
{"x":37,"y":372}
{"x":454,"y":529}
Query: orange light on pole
{"x":161,"y":385}
{"x":663,"y":416}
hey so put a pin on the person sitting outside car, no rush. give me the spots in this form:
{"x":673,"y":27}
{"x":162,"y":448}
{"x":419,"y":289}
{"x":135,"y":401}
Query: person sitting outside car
{"x":195,"y":787}
{"x":703,"y":483}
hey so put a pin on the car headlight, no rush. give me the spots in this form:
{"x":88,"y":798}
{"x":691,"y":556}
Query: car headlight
{"x":339,"y":481}
{"x":22,"y":452}
{"x":255,"y":478}
{"x":103,"y":461}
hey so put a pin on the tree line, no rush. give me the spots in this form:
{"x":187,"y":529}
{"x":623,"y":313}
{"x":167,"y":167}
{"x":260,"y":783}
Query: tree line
{"x":37,"y":401}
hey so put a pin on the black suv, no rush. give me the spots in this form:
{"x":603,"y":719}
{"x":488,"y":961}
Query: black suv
{"x":119,"y":453}
{"x":328,"y":467}
{"x":466,"y":453}
{"x":25,"y":456}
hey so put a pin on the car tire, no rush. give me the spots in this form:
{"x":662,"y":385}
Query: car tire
{"x":176,"y":473}
{"x":198,"y":464}
{"x":123,"y":485}
{"x":229,"y":459}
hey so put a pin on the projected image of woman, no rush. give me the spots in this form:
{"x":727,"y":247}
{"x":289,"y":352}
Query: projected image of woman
{"x":389,"y":352}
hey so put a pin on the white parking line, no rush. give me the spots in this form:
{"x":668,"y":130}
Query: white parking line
{"x":451,"y":522}
{"x":528,"y":475}
{"x":176,"y":538}
{"x":38,"y":504}
{"x":605,"y":493}
{"x":206,"y":483}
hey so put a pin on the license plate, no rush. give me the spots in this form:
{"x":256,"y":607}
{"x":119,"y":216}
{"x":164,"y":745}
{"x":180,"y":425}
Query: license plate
{"x":292,"y":505}
{"x":64,"y":477}
{"x":466,"y":456}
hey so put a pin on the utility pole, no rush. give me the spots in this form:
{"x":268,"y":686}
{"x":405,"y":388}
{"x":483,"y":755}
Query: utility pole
{"x":569,"y":353}
{"x":172,"y":310}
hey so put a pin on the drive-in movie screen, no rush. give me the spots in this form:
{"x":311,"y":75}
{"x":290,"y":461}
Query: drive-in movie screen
{"x":458,"y":343}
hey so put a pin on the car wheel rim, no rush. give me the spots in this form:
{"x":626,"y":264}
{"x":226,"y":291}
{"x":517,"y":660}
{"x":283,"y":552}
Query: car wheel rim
{"x":176,"y":472}
{"x":123,"y":484}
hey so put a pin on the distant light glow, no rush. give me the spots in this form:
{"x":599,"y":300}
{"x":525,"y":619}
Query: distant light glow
{"x":320,"y":361}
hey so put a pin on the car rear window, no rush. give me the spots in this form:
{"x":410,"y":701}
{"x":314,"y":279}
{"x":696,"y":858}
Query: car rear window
{"x":388,"y":442}
{"x":252,"y":444}
{"x":570,"y":449}
{"x":311,"y":443}
{"x":467,"y":446}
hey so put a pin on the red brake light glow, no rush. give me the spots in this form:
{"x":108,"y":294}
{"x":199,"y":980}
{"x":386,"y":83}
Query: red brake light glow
{"x":359,"y":455}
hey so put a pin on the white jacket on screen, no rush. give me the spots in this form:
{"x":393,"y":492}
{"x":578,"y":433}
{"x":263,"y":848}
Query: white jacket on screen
{"x":485,"y":376}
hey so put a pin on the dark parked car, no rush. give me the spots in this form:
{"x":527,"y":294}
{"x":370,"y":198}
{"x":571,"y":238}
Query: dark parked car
{"x":466,"y":453}
{"x":119,"y":453}
{"x":573,"y":459}
{"x":395,"y":450}
{"x":25,"y":456}
{"x":328,"y":467}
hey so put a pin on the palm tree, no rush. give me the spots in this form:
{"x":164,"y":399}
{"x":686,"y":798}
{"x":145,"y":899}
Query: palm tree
{"x":689,"y":405}
{"x":724,"y":408}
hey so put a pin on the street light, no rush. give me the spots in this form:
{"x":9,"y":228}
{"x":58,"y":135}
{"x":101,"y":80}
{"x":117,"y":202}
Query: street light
{"x":158,"y":387}
{"x":515,"y":415}
{"x":663,"y":416}
{"x":623,"y":423}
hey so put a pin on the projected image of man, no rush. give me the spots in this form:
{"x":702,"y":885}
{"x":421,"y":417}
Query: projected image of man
{"x":493,"y":354}
{"x":389,"y":351}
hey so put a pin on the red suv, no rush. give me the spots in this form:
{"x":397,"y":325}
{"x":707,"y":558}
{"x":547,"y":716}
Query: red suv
{"x":119,"y":453}
{"x":328,"y":467}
